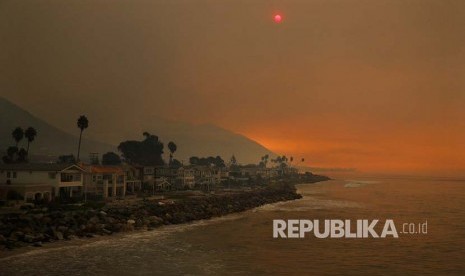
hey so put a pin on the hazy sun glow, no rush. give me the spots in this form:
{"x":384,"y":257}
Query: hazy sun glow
{"x":278,"y":18}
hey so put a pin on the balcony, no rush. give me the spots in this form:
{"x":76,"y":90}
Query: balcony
{"x":70,"y":180}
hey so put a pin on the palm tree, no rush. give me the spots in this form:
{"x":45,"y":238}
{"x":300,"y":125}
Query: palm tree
{"x":172,"y":147}
{"x":30,"y":134}
{"x":82,"y":123}
{"x":18,"y":134}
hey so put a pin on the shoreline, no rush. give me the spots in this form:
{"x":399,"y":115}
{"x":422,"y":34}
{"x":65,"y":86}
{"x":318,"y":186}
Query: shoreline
{"x":48,"y":230}
{"x":162,"y":230}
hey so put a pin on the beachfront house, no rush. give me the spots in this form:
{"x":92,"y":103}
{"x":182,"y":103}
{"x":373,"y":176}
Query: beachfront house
{"x":133,"y":177}
{"x":41,"y":181}
{"x":165,"y":173}
{"x":206,"y":177}
{"x":105,"y":181}
{"x":185,"y":178}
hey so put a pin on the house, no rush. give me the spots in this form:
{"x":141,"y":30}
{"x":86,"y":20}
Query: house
{"x":224,"y":174}
{"x":148,"y":174}
{"x":43,"y":181}
{"x":206,"y":177}
{"x":105,"y":181}
{"x":133,"y":177}
{"x":185,"y":178}
{"x":166,"y":174}
{"x":162,"y":184}
{"x":267,"y":173}
{"x":249,"y":171}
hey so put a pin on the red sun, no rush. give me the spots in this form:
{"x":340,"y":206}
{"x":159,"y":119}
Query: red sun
{"x":277,"y":18}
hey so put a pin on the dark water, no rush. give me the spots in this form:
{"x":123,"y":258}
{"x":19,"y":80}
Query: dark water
{"x":243,"y":243}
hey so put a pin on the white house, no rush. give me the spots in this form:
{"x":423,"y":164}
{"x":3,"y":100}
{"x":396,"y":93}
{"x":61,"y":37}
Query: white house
{"x":185,"y":177}
{"x":41,"y":181}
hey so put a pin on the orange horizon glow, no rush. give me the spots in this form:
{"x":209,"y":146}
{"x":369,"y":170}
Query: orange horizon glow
{"x":418,"y":151}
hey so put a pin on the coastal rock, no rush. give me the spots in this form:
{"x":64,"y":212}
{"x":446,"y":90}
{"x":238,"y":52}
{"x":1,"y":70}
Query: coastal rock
{"x":109,"y":220}
{"x":46,"y":220}
{"x":16,"y":236}
{"x":62,"y":229}
{"x":37,"y":244}
{"x":106,"y":231}
{"x":38,"y":216}
{"x":58,"y":235}
{"x":154,"y":220}
{"x":127,"y":227}
{"x":94,"y":220}
{"x":28,"y":238}
{"x":69,"y":222}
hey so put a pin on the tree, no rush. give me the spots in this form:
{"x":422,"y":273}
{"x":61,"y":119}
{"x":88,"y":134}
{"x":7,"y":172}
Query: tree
{"x":219,"y":162}
{"x":172,"y":147}
{"x":18,"y":134}
{"x":264,"y":161}
{"x":15,"y":155}
{"x":207,"y":161}
{"x":22,"y":156}
{"x":233,"y":161}
{"x":11,"y":155}
{"x":176,"y":163}
{"x":30,"y":134}
{"x":82,"y":123}
{"x":146,"y":152}
{"x":111,"y":158}
{"x":194,"y":160}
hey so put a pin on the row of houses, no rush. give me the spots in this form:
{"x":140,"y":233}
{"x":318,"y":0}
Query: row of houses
{"x":49,"y":181}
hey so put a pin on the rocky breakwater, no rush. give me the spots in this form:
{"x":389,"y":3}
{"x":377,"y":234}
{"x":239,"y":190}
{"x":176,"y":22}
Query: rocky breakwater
{"x":38,"y":226}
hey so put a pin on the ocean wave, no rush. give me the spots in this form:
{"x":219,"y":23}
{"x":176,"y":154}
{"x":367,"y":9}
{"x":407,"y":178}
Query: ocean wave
{"x":308,"y":204}
{"x":359,"y":183}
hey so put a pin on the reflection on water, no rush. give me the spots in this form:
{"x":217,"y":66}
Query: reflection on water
{"x":243,"y":243}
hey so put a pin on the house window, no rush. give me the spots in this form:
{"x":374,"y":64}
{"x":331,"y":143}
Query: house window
{"x":11,"y":175}
{"x":70,"y":177}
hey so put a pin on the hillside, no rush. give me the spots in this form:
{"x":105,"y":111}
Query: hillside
{"x":50,"y":140}
{"x":192,"y":140}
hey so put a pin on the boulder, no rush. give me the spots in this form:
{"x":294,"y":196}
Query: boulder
{"x":28,"y":238}
{"x":106,"y":231}
{"x":58,"y":235}
{"x":94,"y":220}
{"x":62,"y":229}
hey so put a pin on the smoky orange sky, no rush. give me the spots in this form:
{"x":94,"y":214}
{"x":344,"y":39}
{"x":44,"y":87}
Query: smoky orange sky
{"x":374,"y":85}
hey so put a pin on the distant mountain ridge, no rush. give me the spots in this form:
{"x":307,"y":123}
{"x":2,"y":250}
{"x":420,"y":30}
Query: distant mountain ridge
{"x":192,"y":140}
{"x":50,"y":141}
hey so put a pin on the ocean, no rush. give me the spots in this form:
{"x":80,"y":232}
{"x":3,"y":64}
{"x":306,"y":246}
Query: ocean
{"x":242,"y":244}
